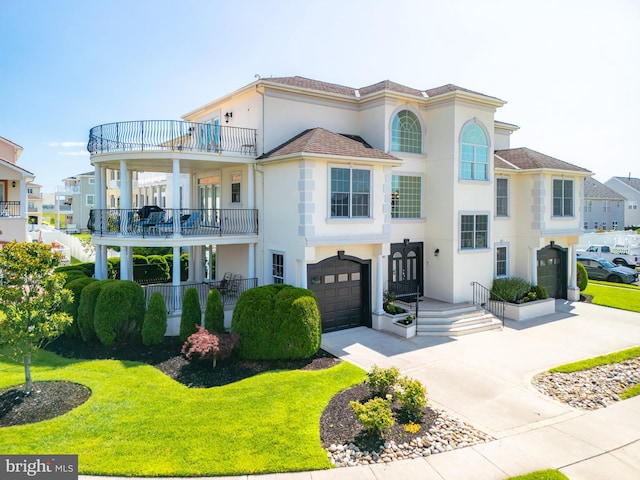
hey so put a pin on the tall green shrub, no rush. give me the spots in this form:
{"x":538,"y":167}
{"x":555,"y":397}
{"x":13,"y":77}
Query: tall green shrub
{"x":511,"y":289}
{"x":119,"y":313}
{"x":214,"y":312}
{"x":191,"y":314}
{"x":277,"y":322}
{"x":155,"y":320}
{"x":582,"y":278}
{"x":76,"y":288}
{"x":87,"y":308}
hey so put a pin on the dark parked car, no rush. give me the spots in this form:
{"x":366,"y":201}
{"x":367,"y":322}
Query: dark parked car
{"x":602,"y":269}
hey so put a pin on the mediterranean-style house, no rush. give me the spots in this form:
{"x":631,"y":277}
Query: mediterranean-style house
{"x":350,"y":192}
{"x":14,"y":180}
{"x":629,"y":187}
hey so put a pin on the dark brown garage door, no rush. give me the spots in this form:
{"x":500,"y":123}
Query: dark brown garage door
{"x":342,"y":286}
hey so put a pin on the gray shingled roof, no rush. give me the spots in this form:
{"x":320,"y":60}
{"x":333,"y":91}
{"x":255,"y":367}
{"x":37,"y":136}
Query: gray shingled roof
{"x":596,"y":190}
{"x":527,"y":159}
{"x":631,"y":181}
{"x":388,"y":85}
{"x":323,"y":142}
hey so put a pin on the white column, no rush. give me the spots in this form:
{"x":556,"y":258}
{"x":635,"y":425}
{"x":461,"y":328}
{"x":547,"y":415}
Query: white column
{"x":379,"y":284}
{"x":251,"y":261}
{"x":303,"y":273}
{"x":534,"y":266}
{"x":23,"y":199}
{"x":100,"y":205}
{"x":251,"y":188}
{"x":176,"y":278}
{"x":125,"y":263}
{"x":125,"y":186}
{"x":175,"y":198}
{"x":573,"y":292}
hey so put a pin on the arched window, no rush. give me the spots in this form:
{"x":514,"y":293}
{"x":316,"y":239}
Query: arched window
{"x":474,"y":153}
{"x":406,"y":133}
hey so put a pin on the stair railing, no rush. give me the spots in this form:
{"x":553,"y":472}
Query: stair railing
{"x":491,"y":302}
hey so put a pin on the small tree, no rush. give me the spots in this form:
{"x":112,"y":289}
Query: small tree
{"x":214,"y":312}
{"x":155,"y":320}
{"x":34,"y":301}
{"x":204,"y":345}
{"x":581,"y":276}
{"x":191,"y":313}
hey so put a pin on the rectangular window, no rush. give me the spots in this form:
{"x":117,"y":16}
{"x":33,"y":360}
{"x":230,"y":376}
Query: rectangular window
{"x":474,"y":231}
{"x":501,"y":262}
{"x":92,"y":180}
{"x":588,"y":206}
{"x":586,"y":226}
{"x":614,"y":225}
{"x":406,"y":196}
{"x":595,"y":225}
{"x":235,"y":188}
{"x":350,"y":192}
{"x":502,"y":197}
{"x":604,"y":225}
{"x":277,"y":260}
{"x":91,"y":200}
{"x":563,"y":198}
{"x":633,"y":204}
{"x":606,"y":206}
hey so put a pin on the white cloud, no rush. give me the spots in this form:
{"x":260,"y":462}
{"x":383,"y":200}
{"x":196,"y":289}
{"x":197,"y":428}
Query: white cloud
{"x":67,"y":144}
{"x":77,"y":153}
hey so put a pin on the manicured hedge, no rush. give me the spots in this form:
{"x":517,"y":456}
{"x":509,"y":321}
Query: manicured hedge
{"x":582,"y":277}
{"x":191,"y":313}
{"x":87,"y":308}
{"x":119,"y":312}
{"x":76,"y":288}
{"x":277,"y":322}
{"x":155,"y":320}
{"x":214,"y":312}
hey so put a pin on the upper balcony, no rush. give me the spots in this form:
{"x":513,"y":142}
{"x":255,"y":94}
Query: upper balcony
{"x":170,"y":136}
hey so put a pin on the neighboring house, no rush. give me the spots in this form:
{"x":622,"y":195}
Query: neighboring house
{"x":74,"y":200}
{"x":34,"y":205}
{"x":629,"y":187}
{"x":354,"y":191}
{"x":13,"y":193}
{"x":604,"y":208}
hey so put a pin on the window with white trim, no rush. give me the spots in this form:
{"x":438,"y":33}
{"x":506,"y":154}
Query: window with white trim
{"x":406,"y":196}
{"x":277,"y":267}
{"x":606,"y":206}
{"x":91,"y":199}
{"x":588,"y":206}
{"x":406,"y":133}
{"x":474,"y":231}
{"x":350,"y":192}
{"x":501,"y":261}
{"x":236,"y":180}
{"x":633,"y":204}
{"x":614,"y":225}
{"x":474,"y":153}
{"x":502,"y":197}
{"x":562,"y":198}
{"x":604,"y":225}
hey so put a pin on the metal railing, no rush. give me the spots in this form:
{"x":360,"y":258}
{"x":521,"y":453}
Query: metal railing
{"x":158,"y":222}
{"x":173,"y":295}
{"x":491,"y":302}
{"x":171,"y":135}
{"x":10,"y":209}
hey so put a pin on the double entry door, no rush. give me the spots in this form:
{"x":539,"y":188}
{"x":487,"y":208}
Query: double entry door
{"x":406,"y":268}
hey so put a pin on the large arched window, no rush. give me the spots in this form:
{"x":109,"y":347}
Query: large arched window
{"x":406,"y":133}
{"x":474,"y":153}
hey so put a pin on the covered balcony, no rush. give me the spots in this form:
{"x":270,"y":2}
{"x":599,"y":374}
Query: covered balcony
{"x":158,"y":222}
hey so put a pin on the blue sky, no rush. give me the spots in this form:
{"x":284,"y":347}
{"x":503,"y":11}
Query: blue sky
{"x":569,"y":69}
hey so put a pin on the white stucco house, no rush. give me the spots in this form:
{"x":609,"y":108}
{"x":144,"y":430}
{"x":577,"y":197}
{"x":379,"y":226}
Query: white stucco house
{"x":349,"y":192}
{"x":14,"y":193}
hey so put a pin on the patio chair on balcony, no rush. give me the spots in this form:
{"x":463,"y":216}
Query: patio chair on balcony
{"x":192,"y":221}
{"x":151,"y":221}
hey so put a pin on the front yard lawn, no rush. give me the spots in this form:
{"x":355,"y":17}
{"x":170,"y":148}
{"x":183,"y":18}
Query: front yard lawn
{"x":140,"y":422}
{"x":625,"y":297}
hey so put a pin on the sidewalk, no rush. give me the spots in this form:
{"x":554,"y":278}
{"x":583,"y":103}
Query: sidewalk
{"x":484,"y":379}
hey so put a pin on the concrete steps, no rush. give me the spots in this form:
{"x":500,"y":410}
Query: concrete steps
{"x":448,"y":320}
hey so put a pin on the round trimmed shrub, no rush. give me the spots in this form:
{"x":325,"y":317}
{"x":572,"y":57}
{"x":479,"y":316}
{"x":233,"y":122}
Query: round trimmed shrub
{"x":113,"y":267}
{"x":582,"y":277}
{"x":119,"y":312}
{"x":277,"y":322}
{"x":155,"y":321}
{"x":87,"y":308}
{"x":214,"y":312}
{"x":191,"y":317}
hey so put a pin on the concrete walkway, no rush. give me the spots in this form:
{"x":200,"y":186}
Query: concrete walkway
{"x":484,"y":379}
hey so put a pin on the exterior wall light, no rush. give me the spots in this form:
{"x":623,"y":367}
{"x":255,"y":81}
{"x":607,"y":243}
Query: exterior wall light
{"x":227,"y":116}
{"x":436,"y":252}
{"x":13,"y":184}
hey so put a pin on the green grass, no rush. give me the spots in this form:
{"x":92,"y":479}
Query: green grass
{"x":615,"y":357}
{"x":624,"y":297}
{"x":541,"y":475}
{"x":139,"y":422}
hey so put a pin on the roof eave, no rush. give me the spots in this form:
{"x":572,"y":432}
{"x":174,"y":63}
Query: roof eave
{"x":337,"y":158}
{"x":460,"y":95}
